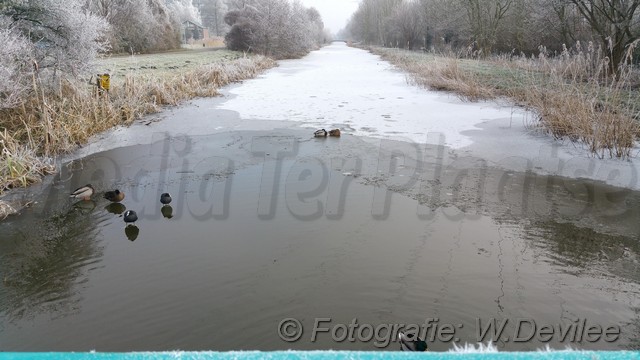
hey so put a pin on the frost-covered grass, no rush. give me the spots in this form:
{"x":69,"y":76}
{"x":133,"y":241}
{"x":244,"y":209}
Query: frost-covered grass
{"x":165,"y":64}
{"x":54,"y":121}
{"x":572,"y":94}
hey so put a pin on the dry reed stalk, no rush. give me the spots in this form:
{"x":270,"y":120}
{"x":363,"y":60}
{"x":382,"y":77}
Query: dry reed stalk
{"x":573,"y":94}
{"x":51,"y":122}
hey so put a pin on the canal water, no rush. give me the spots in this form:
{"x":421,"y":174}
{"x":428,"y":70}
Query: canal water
{"x":415,"y":223}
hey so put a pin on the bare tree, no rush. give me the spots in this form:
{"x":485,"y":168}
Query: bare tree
{"x":184,"y":10}
{"x":138,"y":25}
{"x":316,"y":25}
{"x":408,"y":24}
{"x":445,"y":23}
{"x":372,"y":22}
{"x":616,"y":23}
{"x":485,"y":17}
{"x":239,"y":4}
{"x":212,"y":12}
{"x":275,"y":28}
{"x":15,"y":66}
{"x":64,"y":37}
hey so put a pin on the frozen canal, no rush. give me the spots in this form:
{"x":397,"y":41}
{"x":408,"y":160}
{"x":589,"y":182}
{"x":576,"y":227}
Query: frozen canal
{"x":427,"y":207}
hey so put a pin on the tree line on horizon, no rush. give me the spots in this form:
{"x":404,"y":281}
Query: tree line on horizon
{"x":485,"y":27}
{"x":63,"y":38}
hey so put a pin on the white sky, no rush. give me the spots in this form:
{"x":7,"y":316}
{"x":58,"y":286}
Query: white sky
{"x":335,"y":13}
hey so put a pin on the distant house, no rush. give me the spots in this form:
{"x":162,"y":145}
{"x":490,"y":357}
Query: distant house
{"x":192,"y":31}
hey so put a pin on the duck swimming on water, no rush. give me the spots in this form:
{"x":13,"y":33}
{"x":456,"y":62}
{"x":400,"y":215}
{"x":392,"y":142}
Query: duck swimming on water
{"x":320,"y":133}
{"x":114,"y":196}
{"x":130,"y":217}
{"x":83,"y":193}
{"x":409,"y":344}
{"x":165,"y":199}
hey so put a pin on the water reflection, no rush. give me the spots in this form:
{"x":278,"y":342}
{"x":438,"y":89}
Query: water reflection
{"x":572,"y":246}
{"x":167,"y":211}
{"x":43,"y":262}
{"x":116,"y":208}
{"x":520,"y":245}
{"x":132,"y":232}
{"x":85,"y":206}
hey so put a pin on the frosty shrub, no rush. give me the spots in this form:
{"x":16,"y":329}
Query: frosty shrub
{"x":137,"y":25}
{"x":183,"y":10}
{"x":15,"y":66}
{"x":64,"y":38}
{"x":275,"y":28}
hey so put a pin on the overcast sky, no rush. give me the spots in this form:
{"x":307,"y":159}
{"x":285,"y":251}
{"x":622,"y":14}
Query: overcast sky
{"x":335,"y":13}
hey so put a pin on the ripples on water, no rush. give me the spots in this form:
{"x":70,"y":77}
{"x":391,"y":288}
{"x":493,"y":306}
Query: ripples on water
{"x":225,"y":268}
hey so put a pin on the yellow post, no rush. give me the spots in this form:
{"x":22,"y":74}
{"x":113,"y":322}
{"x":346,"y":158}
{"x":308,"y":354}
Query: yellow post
{"x":104,"y":82}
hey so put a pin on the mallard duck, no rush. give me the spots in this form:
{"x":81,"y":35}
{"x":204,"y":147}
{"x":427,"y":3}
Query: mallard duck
{"x":408,"y":344}
{"x":83,"y":193}
{"x":320,"y":133}
{"x":335,"y":132}
{"x":165,"y":199}
{"x":114,"y":196}
{"x":130,"y":217}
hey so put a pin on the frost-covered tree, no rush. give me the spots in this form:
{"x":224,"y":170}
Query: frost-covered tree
{"x":16,"y":64}
{"x":64,"y":37}
{"x":275,"y":28}
{"x":212,"y":13}
{"x":243,"y":30}
{"x":184,"y":10}
{"x":239,"y":4}
{"x":316,"y":26}
{"x":407,"y":25}
{"x":137,"y":25}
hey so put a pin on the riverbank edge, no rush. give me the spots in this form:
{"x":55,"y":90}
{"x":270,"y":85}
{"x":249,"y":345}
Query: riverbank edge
{"x":210,"y":77}
{"x":602,"y":115}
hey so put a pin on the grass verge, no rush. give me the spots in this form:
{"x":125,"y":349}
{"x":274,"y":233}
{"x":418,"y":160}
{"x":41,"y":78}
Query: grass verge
{"x":572,"y":95}
{"x":55,"y":120}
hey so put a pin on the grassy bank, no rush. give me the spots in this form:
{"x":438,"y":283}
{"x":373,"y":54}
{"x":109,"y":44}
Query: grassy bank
{"x":572,"y":95}
{"x":50,"y":123}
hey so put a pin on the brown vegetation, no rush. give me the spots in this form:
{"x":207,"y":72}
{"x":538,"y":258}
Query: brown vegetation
{"x":51,"y":123}
{"x":573,"y":96}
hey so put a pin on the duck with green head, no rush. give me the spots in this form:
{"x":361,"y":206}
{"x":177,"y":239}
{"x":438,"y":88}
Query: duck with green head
{"x":409,"y":343}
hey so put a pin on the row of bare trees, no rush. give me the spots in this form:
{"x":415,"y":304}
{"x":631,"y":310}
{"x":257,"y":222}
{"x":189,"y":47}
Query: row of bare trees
{"x":489,"y":26}
{"x":63,"y":38}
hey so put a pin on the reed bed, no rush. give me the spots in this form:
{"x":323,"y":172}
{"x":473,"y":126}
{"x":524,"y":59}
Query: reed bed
{"x":55,"y":120}
{"x":573,"y":95}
